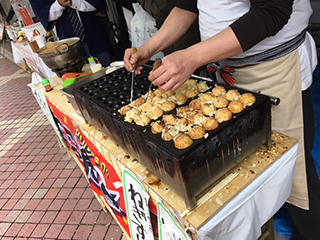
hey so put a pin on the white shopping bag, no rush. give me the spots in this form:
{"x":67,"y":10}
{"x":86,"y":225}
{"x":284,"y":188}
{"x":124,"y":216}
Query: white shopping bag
{"x":143,"y":28}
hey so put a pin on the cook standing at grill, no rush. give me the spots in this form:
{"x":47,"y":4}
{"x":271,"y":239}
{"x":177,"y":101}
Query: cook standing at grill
{"x":266,"y":45}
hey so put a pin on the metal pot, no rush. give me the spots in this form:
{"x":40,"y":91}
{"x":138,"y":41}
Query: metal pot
{"x":65,"y":53}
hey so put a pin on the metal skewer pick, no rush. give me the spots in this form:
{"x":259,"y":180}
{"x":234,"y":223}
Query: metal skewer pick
{"x":157,"y":63}
{"x":133,"y":51}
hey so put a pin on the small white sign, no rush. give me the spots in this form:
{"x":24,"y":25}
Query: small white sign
{"x":169,"y":229}
{"x":137,"y":199}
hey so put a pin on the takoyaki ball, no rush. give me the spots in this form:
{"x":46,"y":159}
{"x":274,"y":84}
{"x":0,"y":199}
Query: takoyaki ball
{"x":190,"y":93}
{"x":208,"y":109}
{"x":181,"y":98}
{"x":157,"y":127}
{"x":223,"y":115}
{"x":142,"y":120}
{"x":123,"y":110}
{"x":191,"y":83}
{"x":155,"y":113}
{"x":247,"y":99}
{"x":159,"y":91}
{"x":196,"y":132}
{"x":139,"y":102}
{"x":220,"y":102}
{"x":210,"y":124}
{"x":146,"y":107}
{"x":169,"y":119}
{"x":182,"y":141}
{"x":167,"y":106}
{"x":232,"y":94}
{"x":169,"y":93}
{"x":203,"y":86}
{"x":182,"y":88}
{"x":218,"y":90}
{"x":197,"y":118}
{"x":131,"y":115}
{"x":158,"y":99}
{"x":151,"y":95}
{"x":183,"y":111}
{"x":236,"y":106}
{"x":169,"y":133}
{"x":207,"y":97}
{"x":195,"y":104}
{"x":183,"y":124}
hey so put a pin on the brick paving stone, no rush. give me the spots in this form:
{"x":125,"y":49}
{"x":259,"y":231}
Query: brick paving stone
{"x":83,"y":204}
{"x":58,"y":183}
{"x":114,"y":232}
{"x":13,"y":230}
{"x":12,"y":216}
{"x":104,"y":218}
{"x":47,"y":183}
{"x":55,"y":173}
{"x":76,"y":217}
{"x":56,"y":205}
{"x":62,"y":217}
{"x":8,"y":193}
{"x":21,"y":204}
{"x":88,"y":193}
{"x":76,"y":193}
{"x":32,"y":204}
{"x":64,"y":193}
{"x":29,"y":193}
{"x":40,"y":193}
{"x":10,"y":204}
{"x":18,"y":193}
{"x":49,"y":216}
{"x":44,"y":174}
{"x":16,"y":183}
{"x":27,"y":229}
{"x":53,"y":231}
{"x":52,"y":193}
{"x":65,"y":173}
{"x":23,"y":216}
{"x":98,"y":232}
{"x":82,"y":183}
{"x":26,"y":183}
{"x":69,"y":204}
{"x":35,"y":217}
{"x":71,"y":182}
{"x":66,"y":233}
{"x":37,"y":183}
{"x":82,"y":232}
{"x":4,"y":227}
{"x":90,"y":218}
{"x":95,"y":205}
{"x":3,"y":214}
{"x":40,"y":230}
{"x":44,"y":204}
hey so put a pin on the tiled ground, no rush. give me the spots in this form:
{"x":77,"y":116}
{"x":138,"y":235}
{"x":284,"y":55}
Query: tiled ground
{"x":43,"y":193}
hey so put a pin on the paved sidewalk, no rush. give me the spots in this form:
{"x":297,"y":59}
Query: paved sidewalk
{"x":43,"y":193}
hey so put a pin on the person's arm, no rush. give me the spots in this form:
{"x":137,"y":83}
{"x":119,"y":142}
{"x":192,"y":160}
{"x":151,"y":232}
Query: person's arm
{"x":265,"y":17}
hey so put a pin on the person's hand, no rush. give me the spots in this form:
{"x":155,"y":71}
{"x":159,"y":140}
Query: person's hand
{"x":175,"y":70}
{"x":139,"y":58}
{"x":65,"y":3}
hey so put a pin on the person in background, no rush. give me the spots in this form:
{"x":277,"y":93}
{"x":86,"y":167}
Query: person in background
{"x":9,"y":16}
{"x":77,"y":18}
{"x":268,"y":47}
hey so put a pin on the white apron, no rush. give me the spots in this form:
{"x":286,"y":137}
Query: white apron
{"x":282,"y":78}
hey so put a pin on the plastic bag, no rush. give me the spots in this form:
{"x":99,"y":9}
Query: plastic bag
{"x":143,"y":28}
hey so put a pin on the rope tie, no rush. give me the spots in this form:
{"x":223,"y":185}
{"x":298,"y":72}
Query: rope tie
{"x":225,"y":72}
